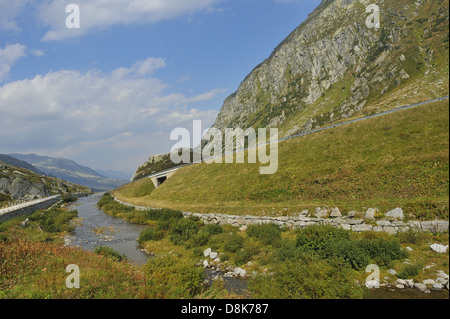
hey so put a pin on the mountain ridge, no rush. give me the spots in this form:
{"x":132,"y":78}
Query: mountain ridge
{"x":71,"y":171}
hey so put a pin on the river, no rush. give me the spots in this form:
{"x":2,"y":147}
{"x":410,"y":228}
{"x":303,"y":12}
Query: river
{"x":96,"y":228}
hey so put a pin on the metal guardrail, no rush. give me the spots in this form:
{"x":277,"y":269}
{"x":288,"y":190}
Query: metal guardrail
{"x":307,"y":133}
{"x":27,"y":204}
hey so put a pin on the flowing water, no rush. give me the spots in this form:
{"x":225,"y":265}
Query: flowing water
{"x":96,"y":228}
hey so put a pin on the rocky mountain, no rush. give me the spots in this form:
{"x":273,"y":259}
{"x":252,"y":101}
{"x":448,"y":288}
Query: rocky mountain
{"x":159,"y":163}
{"x":17,"y":183}
{"x":71,"y":171}
{"x":336,"y":66}
{"x":18,"y":163}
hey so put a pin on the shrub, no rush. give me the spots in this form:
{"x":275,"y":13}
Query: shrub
{"x":287,"y":251}
{"x":109,"y":252}
{"x":317,"y":237}
{"x":172,"y":278}
{"x":233,"y":242}
{"x":54,"y":220}
{"x":350,"y":252}
{"x":183,"y":230}
{"x":197,"y":240}
{"x":268,"y":234}
{"x":213,"y":229}
{"x":383,"y":251}
{"x":308,"y":278}
{"x":243,"y":256}
{"x":69,"y":198}
{"x":412,"y":237}
{"x":410,"y":271}
{"x":150,"y":234}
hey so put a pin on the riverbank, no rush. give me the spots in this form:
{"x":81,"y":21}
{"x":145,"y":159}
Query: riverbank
{"x":258,"y":256}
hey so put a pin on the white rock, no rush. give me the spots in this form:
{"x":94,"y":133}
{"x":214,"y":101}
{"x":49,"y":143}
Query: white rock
{"x":396,"y":214}
{"x":392,"y":272}
{"x":402,"y":282}
{"x":213,"y":255}
{"x":322,"y":214}
{"x":336,"y":213}
{"x":240,"y":272}
{"x":441,"y":249}
{"x":442,"y":274}
{"x":409,"y":249}
{"x":243,"y":228}
{"x":205,"y":264}
{"x":372,"y":284}
{"x":207,"y":252}
{"x":370,"y":214}
{"x":438,"y":286}
{"x":400,"y":286}
{"x":430,"y":282}
{"x":421,"y":287}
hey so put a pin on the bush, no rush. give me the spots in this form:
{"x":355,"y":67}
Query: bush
{"x":410,"y":271}
{"x":268,"y":234}
{"x":233,"y":242}
{"x":317,"y":237}
{"x":412,"y":237}
{"x":308,"y":278}
{"x":183,"y":230}
{"x":197,"y":240}
{"x":243,"y":256}
{"x":287,"y":251}
{"x":150,"y":234}
{"x":213,"y":229}
{"x":54,"y":220}
{"x":350,"y":252}
{"x":69,"y":198}
{"x":172,"y":278}
{"x":109,"y":252}
{"x":383,"y":251}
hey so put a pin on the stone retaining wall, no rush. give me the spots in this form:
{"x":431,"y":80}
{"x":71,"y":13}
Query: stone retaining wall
{"x":27,"y":208}
{"x":302,"y":220}
{"x":357,"y":225}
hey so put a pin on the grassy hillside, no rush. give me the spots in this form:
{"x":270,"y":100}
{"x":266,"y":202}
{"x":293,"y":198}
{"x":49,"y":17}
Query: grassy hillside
{"x":400,"y":159}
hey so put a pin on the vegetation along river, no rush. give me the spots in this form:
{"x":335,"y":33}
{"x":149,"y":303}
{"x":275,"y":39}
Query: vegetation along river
{"x":96,"y":228}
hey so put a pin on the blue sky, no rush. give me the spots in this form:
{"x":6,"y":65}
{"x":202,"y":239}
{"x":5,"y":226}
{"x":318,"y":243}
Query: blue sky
{"x":108,"y":95}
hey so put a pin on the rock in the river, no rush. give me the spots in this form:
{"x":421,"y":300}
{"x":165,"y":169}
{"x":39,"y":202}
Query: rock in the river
{"x":213,"y":255}
{"x":438,"y":286}
{"x":421,"y":287}
{"x":207,"y":252}
{"x":372,"y":284}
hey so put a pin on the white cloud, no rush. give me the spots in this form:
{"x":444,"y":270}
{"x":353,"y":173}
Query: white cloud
{"x":9,"y":11}
{"x":8,"y":56}
{"x":99,"y":14}
{"x":94,"y":115}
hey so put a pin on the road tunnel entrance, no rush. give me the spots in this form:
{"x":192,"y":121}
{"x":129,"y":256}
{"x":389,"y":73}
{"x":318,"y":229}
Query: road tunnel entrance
{"x":161,"y":180}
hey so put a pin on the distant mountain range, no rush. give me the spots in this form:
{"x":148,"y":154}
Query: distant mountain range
{"x":70,"y":171}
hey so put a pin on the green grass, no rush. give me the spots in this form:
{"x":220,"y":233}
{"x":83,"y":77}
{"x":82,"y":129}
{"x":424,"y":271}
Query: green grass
{"x":138,"y":188}
{"x":398,"y":160}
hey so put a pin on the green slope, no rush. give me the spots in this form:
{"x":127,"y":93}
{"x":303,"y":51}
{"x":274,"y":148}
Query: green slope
{"x":400,"y":159}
